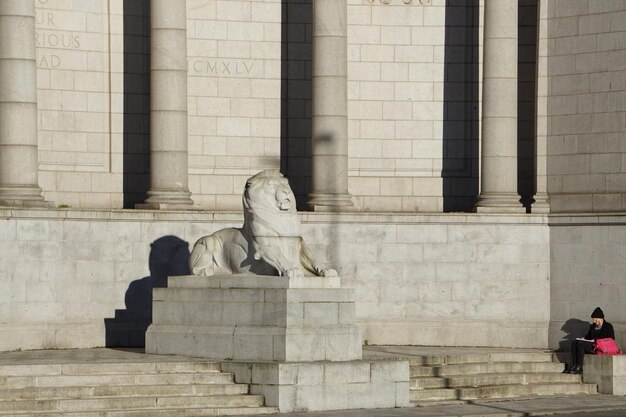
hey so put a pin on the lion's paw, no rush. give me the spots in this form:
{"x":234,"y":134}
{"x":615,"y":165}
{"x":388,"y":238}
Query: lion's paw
{"x":294,"y":273}
{"x":328,"y":272}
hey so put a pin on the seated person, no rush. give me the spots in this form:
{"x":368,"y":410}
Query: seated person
{"x":599,"y":329}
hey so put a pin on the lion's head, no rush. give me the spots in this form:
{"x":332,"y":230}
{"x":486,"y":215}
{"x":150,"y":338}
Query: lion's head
{"x":269,"y":206}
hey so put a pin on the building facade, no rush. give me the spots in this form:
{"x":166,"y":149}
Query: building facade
{"x":461,"y":162}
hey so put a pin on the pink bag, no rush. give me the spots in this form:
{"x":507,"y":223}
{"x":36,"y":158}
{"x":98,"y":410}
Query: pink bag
{"x":606,"y":346}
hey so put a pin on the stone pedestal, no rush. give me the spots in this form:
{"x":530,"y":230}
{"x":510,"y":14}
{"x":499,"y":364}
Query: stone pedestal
{"x":608,"y":372}
{"x":294,"y":340}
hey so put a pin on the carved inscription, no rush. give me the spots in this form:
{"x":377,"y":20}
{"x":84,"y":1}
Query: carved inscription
{"x":48,"y":35}
{"x":424,"y":2}
{"x":221,"y":68}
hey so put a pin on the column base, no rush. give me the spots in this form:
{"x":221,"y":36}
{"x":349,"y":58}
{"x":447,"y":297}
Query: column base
{"x":22,"y":196}
{"x":330,"y":202}
{"x":541,"y":204}
{"x":167,"y":200}
{"x":499,"y":203}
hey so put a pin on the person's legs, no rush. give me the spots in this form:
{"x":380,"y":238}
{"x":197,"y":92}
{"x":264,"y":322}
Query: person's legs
{"x":579,"y":348}
{"x":573,"y":361}
{"x":585,"y":347}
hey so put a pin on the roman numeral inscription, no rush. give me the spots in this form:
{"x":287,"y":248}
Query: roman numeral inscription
{"x":222,"y":68}
{"x":424,"y":2}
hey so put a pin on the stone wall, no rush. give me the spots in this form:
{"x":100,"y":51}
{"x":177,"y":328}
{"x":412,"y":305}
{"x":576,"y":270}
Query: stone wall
{"x":396,"y":92}
{"x":588,"y":270}
{"x":83,"y":278}
{"x":586,"y":105}
{"x":413,"y":93}
{"x":80,"y":101}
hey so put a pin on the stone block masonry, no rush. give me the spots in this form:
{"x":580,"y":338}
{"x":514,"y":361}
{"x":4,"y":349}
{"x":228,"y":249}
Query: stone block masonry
{"x":314,"y":386}
{"x":585,"y":106}
{"x":252,"y":317}
{"x":79,"y":78}
{"x":293,"y":340}
{"x":452,"y":280}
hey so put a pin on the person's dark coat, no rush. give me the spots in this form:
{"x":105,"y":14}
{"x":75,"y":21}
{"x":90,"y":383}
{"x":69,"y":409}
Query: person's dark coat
{"x":605,"y":331}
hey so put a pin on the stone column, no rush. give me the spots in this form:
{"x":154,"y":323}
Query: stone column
{"x":168,"y":106}
{"x":499,"y":112}
{"x":330,"y":106}
{"x":19,"y":161}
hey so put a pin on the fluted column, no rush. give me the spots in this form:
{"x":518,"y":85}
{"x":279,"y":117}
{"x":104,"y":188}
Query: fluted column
{"x":19,"y":163}
{"x":168,"y":106}
{"x":498,"y":178}
{"x":330,"y":107}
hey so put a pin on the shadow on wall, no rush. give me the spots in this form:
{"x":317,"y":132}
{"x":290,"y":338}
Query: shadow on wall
{"x":296,"y":91}
{"x":169,"y":256}
{"x":136,"y":178}
{"x":526,"y":91}
{"x":572,"y":328}
{"x":460,"y":112}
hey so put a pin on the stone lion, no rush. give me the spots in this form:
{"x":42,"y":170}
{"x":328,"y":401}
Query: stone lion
{"x":269,"y":243}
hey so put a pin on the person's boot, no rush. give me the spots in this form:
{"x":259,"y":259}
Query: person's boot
{"x":567,"y":369}
{"x":577,"y":370}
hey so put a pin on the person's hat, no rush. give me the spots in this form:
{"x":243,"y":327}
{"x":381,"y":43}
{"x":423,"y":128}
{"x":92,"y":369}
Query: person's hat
{"x":597,"y":313}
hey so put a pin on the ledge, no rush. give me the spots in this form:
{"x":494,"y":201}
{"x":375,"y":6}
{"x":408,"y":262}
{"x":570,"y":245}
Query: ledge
{"x":200,"y":216}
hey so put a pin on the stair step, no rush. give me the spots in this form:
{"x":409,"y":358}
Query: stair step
{"x":492,"y":379}
{"x":487,"y":368}
{"x":51,"y":393}
{"x":108,"y":368}
{"x":178,"y":412}
{"x":116,"y":379}
{"x":129,"y":403}
{"x":428,"y":382}
{"x":501,"y":391}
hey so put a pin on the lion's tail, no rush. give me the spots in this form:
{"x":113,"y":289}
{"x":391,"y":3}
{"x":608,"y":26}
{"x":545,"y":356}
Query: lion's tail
{"x":306,"y":258}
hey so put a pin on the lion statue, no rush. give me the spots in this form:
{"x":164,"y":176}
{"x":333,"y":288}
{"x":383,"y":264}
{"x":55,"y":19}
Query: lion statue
{"x":269,"y":243}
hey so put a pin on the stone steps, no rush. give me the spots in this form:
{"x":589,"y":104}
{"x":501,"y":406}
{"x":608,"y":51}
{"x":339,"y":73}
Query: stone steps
{"x":491,"y":376}
{"x":186,"y":388}
{"x":501,"y":391}
{"x":117,"y":379}
{"x":492,"y":379}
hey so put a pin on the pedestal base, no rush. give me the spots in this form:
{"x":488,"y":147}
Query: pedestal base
{"x":499,"y":203}
{"x":255,"y":318}
{"x":294,"y":341}
{"x":319,"y":386}
{"x":22,"y":196}
{"x":167,"y":200}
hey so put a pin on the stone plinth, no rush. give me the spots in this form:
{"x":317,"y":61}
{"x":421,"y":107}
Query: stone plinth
{"x":294,"y":340}
{"x":316,"y":386}
{"x":608,"y":372}
{"x":255,"y":318}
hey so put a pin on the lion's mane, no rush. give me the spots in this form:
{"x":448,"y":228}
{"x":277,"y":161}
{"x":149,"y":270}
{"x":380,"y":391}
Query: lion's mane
{"x":269,"y":243}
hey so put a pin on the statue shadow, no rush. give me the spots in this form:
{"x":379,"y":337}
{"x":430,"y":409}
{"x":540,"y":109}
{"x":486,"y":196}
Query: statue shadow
{"x":169,"y":256}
